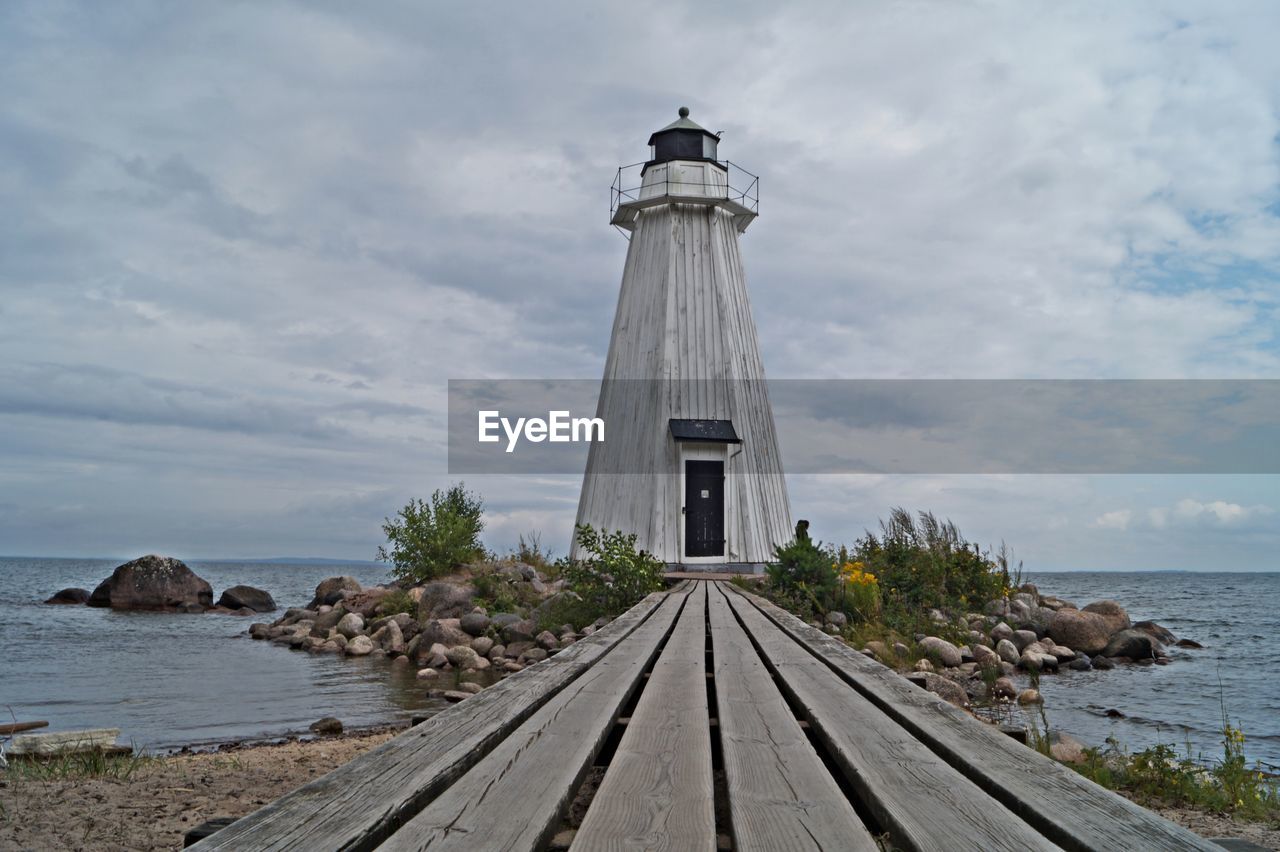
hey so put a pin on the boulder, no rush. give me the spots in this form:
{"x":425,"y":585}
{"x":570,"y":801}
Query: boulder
{"x":878,"y":650}
{"x":326,"y":621}
{"x":1134,"y":644}
{"x":946,"y":689}
{"x":259,"y":630}
{"x":1065,"y":748}
{"x":496,"y":651}
{"x":923,"y":665}
{"x":999,"y":607}
{"x":533,"y":655}
{"x":153,"y":583}
{"x":546,"y":639}
{"x":360,"y":646}
{"x":389,"y":638}
{"x":474,"y":623}
{"x":1080,"y":664}
{"x":69,"y":596}
{"x":1080,"y":630}
{"x":1022,"y":638}
{"x":1003,"y":689}
{"x":1101,"y":663}
{"x":838,"y":618}
{"x":330,"y":591}
{"x":482,"y":645}
{"x":462,"y":657}
{"x":247,"y":596}
{"x":984,"y":656}
{"x":942,"y":651}
{"x":350,"y":625}
{"x":444,"y":631}
{"x":1056,"y":603}
{"x":1189,"y":643}
{"x":518,"y":631}
{"x":366,"y":601}
{"x":1007,"y":651}
{"x":443,"y":599}
{"x":1161,"y":634}
{"x":1029,"y":696}
{"x":328,"y":726}
{"x":1001,"y":631}
{"x":1114,"y":614}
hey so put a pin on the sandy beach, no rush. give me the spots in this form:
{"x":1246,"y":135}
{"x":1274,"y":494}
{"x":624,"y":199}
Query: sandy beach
{"x":166,"y":797}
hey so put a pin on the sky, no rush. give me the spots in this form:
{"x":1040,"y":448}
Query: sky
{"x":244,"y":246}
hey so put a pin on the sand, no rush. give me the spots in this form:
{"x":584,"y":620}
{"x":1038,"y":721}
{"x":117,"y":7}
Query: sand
{"x":167,"y":797}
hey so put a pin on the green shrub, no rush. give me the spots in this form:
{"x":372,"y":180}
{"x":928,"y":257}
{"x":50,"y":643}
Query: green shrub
{"x":565,"y":609}
{"x":430,"y":539}
{"x":617,"y":576}
{"x":803,"y":578}
{"x":499,"y":592}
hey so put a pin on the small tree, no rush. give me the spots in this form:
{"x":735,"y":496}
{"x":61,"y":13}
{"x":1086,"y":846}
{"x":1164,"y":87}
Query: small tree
{"x":427,"y":540}
{"x":617,"y":576}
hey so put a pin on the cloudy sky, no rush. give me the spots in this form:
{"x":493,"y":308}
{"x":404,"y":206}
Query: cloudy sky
{"x":243,"y":246}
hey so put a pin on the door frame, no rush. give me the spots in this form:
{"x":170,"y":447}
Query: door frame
{"x":703,"y":452}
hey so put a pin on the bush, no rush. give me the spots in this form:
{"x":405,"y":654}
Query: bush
{"x":617,"y":576}
{"x":804,"y":577}
{"x":431,"y":539}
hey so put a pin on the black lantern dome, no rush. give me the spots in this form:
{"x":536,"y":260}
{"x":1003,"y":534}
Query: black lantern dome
{"x":682,"y":139}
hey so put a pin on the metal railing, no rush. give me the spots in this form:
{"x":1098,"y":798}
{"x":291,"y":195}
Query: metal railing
{"x":740,"y":186}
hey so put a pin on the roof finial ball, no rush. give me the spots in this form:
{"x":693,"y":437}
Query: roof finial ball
{"x":684,"y":112}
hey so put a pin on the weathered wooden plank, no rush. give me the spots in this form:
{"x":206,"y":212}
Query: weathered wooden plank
{"x":360,"y":804}
{"x":15,"y":727}
{"x":1068,"y":808}
{"x":657,"y":793}
{"x":913,"y":793}
{"x":514,"y":798}
{"x":781,"y":796}
{"x":62,"y":742}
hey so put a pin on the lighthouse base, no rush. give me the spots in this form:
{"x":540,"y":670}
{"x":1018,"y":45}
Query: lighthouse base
{"x":705,"y":570}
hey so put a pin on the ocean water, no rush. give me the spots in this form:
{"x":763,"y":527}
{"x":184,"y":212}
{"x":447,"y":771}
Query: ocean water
{"x":168,"y":680}
{"x":1235,"y":616}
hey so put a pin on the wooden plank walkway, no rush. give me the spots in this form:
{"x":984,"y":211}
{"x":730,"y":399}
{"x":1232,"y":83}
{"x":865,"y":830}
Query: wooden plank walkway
{"x":749,"y":729}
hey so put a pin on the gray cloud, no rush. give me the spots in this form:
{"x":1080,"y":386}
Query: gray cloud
{"x":204,"y":209}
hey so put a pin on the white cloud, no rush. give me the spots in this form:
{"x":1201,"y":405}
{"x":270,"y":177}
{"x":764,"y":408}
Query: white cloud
{"x":1114,"y":520}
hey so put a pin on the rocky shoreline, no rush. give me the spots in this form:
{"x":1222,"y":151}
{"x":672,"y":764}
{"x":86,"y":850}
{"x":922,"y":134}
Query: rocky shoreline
{"x":439,"y":627}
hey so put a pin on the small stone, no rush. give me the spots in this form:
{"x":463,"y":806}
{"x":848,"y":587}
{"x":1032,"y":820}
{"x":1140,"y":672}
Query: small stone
{"x":546,"y":639}
{"x":923,"y":666}
{"x":1029,"y":696}
{"x":427,"y":674}
{"x":328,"y":726}
{"x":455,"y":695}
{"x":470,"y":686}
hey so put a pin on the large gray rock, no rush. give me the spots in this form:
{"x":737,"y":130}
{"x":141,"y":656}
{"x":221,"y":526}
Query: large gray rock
{"x":1134,"y":644}
{"x":482,"y":645}
{"x":444,"y":631}
{"x":327,"y":621}
{"x":984,"y":656}
{"x":69,"y":596}
{"x":546,"y":639}
{"x":153,"y":583}
{"x":941,"y":650}
{"x":443,"y":599}
{"x":1161,"y":634}
{"x":1080,"y":630}
{"x":1116,"y":617}
{"x":1023,"y":638}
{"x":330,"y":591}
{"x":350,"y":625}
{"x":1007,"y":651}
{"x":474,"y":623}
{"x":946,"y":689}
{"x":518,"y":631}
{"x":389,"y":638}
{"x":247,"y":596}
{"x":1001,"y":631}
{"x":360,"y":646}
{"x":462,"y":657}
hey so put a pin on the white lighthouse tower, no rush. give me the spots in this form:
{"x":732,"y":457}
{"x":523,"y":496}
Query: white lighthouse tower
{"x":690,"y":459}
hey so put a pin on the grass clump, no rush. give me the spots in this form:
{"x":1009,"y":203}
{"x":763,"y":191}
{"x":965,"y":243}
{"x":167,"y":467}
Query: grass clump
{"x":1157,"y":775}
{"x":77,"y":766}
{"x":615,"y":577}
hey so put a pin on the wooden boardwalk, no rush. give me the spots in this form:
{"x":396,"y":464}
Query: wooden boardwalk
{"x":704,"y":718}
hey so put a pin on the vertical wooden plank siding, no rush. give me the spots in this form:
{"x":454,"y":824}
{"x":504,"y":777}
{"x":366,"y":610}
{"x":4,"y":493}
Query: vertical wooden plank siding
{"x":781,"y":796}
{"x":657,"y":793}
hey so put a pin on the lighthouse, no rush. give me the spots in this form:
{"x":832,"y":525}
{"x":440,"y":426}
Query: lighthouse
{"x":690,"y":463}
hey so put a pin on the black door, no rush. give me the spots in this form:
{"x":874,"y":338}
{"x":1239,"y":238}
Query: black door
{"x":704,"y":508}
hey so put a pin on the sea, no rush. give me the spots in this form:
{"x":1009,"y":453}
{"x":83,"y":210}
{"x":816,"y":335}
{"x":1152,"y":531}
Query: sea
{"x":174,"y":680}
{"x":1185,"y":704}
